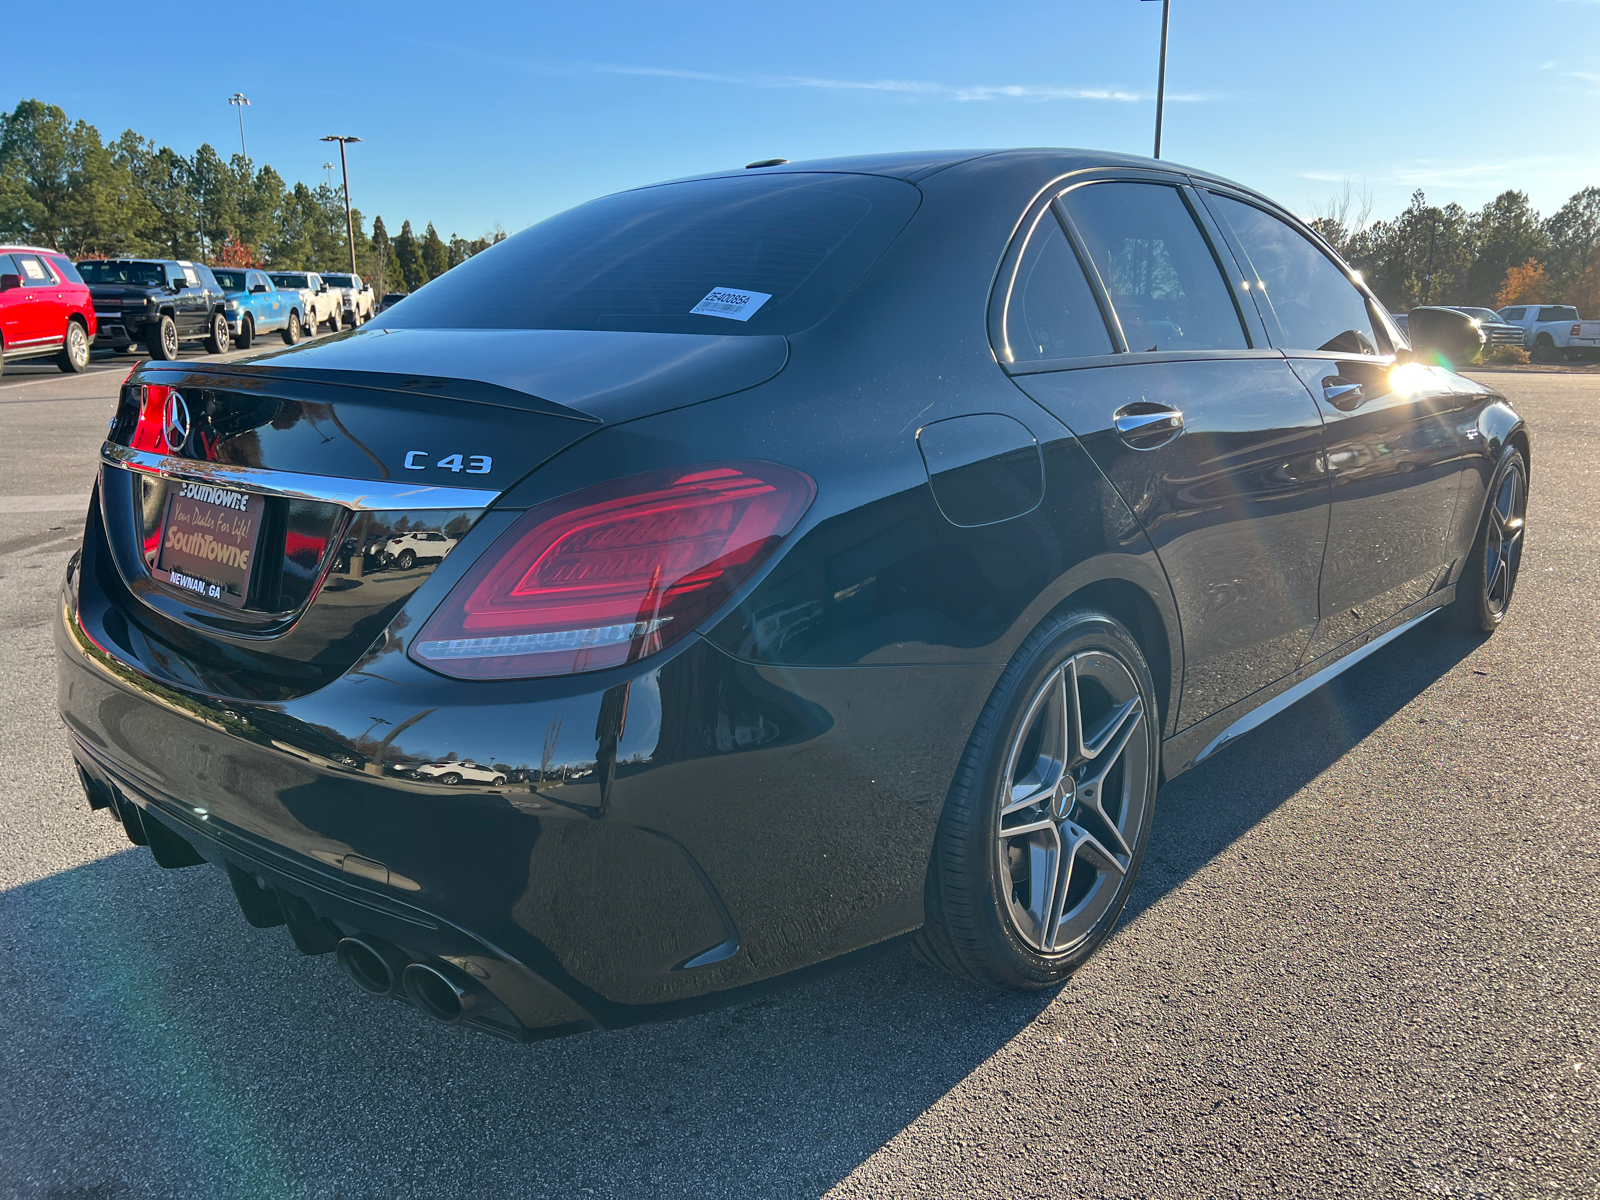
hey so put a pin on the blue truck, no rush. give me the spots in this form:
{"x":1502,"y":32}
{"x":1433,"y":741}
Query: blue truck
{"x":255,"y":306}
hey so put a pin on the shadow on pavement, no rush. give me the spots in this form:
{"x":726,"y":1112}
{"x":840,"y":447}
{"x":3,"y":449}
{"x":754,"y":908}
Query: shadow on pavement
{"x":152,"y":1041}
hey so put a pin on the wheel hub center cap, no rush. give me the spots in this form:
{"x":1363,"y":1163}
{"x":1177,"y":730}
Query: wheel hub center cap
{"x":1066,"y":797}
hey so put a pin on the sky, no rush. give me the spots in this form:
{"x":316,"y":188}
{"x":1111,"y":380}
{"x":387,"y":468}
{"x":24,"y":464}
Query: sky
{"x":474,"y":115}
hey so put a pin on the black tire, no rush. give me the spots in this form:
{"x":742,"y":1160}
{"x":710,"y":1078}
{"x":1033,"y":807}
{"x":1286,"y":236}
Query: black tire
{"x":247,"y":332}
{"x":1489,"y":580}
{"x":219,"y":339}
{"x":74,"y":356}
{"x":406,"y":560}
{"x":1544,"y":349}
{"x":450,"y":777}
{"x":291,"y":331}
{"x":971,"y":897}
{"x":163,"y":340}
{"x":498,"y":781}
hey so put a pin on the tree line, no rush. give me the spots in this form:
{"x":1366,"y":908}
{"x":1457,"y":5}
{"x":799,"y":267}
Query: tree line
{"x":64,"y":187}
{"x":1504,"y":253}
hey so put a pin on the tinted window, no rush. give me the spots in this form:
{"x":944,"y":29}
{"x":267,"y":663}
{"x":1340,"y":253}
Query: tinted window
{"x":8,"y":266}
{"x":234,"y":281}
{"x":290,"y":281}
{"x":65,"y":269}
{"x":1051,"y":313}
{"x":34,"y":272}
{"x":1558,"y":312}
{"x":783,"y":250}
{"x":1513,"y":314}
{"x":1165,"y":285}
{"x":1306,"y":300}
{"x":342,"y":281}
{"x":139,"y":274}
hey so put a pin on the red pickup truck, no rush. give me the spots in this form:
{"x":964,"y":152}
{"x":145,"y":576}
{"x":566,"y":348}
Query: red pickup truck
{"x":45,"y":308}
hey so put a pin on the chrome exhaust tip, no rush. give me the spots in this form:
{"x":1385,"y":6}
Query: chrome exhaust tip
{"x":437,"y":994}
{"x":375,"y":966}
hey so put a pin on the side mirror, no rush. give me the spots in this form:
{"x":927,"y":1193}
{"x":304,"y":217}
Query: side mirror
{"x":260,"y":287}
{"x":9,"y":281}
{"x":175,"y":285}
{"x":1444,"y":333}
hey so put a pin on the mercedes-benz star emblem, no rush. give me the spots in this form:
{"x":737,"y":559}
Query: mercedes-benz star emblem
{"x":176,"y":423}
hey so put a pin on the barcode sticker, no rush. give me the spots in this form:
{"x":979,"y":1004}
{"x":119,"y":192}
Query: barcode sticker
{"x":736,"y":304}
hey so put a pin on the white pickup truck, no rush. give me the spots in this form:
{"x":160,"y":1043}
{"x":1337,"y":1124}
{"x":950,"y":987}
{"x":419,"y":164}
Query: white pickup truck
{"x":355,"y":294}
{"x":1553,"y":331}
{"x":324,"y":305}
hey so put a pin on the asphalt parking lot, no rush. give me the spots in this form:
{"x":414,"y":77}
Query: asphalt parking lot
{"x":1363,"y":959}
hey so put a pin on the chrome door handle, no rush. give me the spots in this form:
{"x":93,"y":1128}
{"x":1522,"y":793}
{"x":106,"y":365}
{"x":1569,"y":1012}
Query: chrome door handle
{"x":1341,"y":393}
{"x":1146,"y":426}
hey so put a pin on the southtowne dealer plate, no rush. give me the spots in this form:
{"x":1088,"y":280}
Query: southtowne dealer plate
{"x":208,"y":542}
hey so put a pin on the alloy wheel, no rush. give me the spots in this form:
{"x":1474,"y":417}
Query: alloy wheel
{"x":1502,"y":552}
{"x":1076,"y":797}
{"x":169,"y":339}
{"x":77,"y":345}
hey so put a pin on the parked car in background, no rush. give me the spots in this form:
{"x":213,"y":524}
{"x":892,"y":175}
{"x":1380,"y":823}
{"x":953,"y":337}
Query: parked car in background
{"x":46,"y":310}
{"x":465,"y":771}
{"x":1495,"y":331}
{"x":1552,"y":331}
{"x":409,"y":549}
{"x":390,"y":299}
{"x":322,"y":303}
{"x":355,"y":297}
{"x":256,"y":306}
{"x":158,"y":303}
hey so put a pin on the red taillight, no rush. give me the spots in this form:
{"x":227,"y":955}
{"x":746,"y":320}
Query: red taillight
{"x":1576,"y":330}
{"x":150,"y":431}
{"x":612,"y":573}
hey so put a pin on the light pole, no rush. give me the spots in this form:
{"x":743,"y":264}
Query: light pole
{"x":1161,"y":76}
{"x":344,"y":166}
{"x":328,"y":167}
{"x":240,"y":101}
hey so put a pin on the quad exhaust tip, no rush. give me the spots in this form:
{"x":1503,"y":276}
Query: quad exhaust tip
{"x":437,"y":994}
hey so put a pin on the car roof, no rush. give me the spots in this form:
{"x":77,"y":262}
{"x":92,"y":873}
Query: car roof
{"x":6,"y":249}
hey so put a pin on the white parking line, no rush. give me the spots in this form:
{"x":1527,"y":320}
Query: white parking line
{"x":69,"y":502}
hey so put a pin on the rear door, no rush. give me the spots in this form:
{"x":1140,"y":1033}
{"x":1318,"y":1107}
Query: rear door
{"x":1206,"y":433}
{"x":1396,"y":443}
{"x":43,"y":319}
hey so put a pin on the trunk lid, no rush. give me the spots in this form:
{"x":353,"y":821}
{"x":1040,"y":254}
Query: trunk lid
{"x":373,"y":455}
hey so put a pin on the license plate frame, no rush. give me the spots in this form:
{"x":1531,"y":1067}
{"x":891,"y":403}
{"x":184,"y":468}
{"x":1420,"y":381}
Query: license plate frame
{"x":209,"y":537}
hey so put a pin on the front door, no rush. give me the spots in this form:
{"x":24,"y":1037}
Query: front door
{"x":1209,"y":437}
{"x":1395,"y":442}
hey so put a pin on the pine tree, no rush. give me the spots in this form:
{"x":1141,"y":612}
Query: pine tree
{"x":407,"y":258}
{"x":435,"y":258}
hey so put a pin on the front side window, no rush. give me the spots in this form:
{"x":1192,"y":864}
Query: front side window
{"x":1307,"y":302}
{"x":1164,"y":282}
{"x":1051,"y":313}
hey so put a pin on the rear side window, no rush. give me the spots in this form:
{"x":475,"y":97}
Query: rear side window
{"x":748,"y":254}
{"x":1164,"y":282}
{"x":65,"y":269}
{"x":34,"y":271}
{"x":1051,"y":313}
{"x":1307,"y":302}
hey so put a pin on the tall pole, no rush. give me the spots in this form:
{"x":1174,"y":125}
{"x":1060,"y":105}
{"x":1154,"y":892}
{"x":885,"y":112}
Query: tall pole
{"x":1161,"y":77}
{"x":240,"y":101}
{"x":349,"y":222}
{"x":1427,"y":274}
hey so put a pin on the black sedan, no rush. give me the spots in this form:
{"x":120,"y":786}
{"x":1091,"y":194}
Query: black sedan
{"x":839,"y":551}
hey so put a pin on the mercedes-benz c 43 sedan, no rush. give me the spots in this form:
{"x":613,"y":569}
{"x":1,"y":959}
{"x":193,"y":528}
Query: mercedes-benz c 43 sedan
{"x":832,"y":551}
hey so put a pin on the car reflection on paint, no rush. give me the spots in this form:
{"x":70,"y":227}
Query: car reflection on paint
{"x":453,"y":773}
{"x":408,"y":549}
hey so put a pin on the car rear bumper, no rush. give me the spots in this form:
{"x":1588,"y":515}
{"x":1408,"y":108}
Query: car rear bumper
{"x":701,"y":826}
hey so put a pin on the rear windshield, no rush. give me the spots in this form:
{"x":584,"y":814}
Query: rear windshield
{"x":141,"y":274}
{"x":292,"y":281}
{"x":337,"y":281}
{"x":233,"y":281}
{"x":749,"y":254}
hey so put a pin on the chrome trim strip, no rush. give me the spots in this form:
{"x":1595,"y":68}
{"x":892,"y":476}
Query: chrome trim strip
{"x":1271,"y":708}
{"x":357,"y":494}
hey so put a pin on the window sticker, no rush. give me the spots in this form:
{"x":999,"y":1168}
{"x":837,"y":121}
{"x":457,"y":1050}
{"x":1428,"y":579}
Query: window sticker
{"x":33,"y":270}
{"x":736,"y":304}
